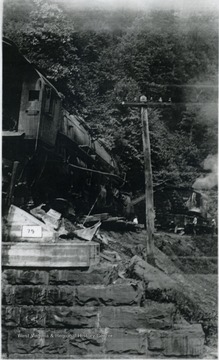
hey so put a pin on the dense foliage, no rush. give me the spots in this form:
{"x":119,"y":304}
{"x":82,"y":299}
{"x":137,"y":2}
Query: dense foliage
{"x":99,"y":59}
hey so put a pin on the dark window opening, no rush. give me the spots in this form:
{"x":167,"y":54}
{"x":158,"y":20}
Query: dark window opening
{"x":51,"y":105}
{"x":48,"y":93}
{"x":50,"y":101}
{"x":34,"y":95}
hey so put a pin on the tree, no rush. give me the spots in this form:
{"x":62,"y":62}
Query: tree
{"x":98,"y":62}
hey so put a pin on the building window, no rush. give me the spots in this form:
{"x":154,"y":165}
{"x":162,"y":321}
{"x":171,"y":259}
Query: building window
{"x":34,"y":95}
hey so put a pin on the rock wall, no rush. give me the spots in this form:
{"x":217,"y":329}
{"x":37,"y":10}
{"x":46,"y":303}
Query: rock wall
{"x":52,"y":313}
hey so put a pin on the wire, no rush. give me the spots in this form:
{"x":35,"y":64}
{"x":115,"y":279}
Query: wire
{"x":96,"y":171}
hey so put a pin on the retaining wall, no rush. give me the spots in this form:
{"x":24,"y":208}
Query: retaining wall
{"x":53,"y":313}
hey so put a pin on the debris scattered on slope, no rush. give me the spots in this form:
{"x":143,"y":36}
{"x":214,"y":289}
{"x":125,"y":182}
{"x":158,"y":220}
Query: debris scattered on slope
{"x":52,"y":219}
{"x":87,"y":233}
{"x":186,"y":266}
{"x":111,"y":256}
{"x":38,"y":211}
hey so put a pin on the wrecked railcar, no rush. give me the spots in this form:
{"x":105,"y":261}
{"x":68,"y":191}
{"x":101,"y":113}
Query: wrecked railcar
{"x":175,"y":209}
{"x":56,"y":153}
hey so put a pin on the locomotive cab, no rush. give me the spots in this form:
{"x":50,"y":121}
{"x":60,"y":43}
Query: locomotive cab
{"x":39,"y":116}
{"x":31,"y":105}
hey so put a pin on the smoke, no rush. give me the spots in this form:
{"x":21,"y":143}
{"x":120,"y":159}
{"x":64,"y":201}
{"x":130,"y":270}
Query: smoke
{"x":210,"y":180}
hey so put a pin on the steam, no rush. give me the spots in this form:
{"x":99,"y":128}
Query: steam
{"x":210,"y":180}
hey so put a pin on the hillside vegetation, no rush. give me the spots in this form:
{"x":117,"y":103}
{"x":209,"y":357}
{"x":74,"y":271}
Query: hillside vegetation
{"x":97,"y":59}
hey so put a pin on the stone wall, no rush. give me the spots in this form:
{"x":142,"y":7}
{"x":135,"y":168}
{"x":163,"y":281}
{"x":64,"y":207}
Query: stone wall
{"x":53,"y":313}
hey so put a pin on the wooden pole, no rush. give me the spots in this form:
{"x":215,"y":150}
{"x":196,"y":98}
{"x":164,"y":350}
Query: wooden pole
{"x":149,"y":201}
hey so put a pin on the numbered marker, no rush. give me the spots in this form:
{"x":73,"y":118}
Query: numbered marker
{"x":32,"y":231}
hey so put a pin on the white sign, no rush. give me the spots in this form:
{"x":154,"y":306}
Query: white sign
{"x":32,"y":231}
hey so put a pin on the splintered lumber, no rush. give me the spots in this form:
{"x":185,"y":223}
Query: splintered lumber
{"x":114,"y":219}
{"x":94,"y":218}
{"x":52,"y":219}
{"x":38,"y":212}
{"x":87,"y":233}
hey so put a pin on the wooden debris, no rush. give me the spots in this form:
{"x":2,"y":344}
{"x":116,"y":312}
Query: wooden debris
{"x":87,"y":233}
{"x":105,"y":257}
{"x":102,"y":239}
{"x":62,"y":230}
{"x":52,"y":219}
{"x":38,"y":212}
{"x":111,"y":256}
{"x":94,"y":218}
{"x":114,"y":219}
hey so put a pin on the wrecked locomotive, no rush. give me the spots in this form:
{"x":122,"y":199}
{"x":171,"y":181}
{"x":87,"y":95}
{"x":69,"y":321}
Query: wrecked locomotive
{"x":49,"y":152}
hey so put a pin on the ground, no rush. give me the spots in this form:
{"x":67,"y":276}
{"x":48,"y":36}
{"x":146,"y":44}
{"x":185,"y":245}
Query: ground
{"x":191,"y":261}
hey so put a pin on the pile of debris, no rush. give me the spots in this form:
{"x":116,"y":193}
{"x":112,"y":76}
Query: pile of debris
{"x":57,"y":223}
{"x":54,"y":236}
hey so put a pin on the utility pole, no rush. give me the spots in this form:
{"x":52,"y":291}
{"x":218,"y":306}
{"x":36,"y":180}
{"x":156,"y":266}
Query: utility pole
{"x":149,"y":198}
{"x":149,"y":201}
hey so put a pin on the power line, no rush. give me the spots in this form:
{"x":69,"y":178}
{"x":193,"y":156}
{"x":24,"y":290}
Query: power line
{"x":96,"y":171}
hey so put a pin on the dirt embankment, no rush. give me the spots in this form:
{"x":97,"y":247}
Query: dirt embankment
{"x":186,"y":273}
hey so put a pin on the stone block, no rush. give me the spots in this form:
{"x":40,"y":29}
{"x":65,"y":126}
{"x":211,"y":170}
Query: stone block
{"x":68,"y":277}
{"x":122,"y":294}
{"x":60,"y":295}
{"x":10,"y":316}
{"x":125,"y":342}
{"x":44,"y":356}
{"x":150,"y":316}
{"x":4,"y":335}
{"x":156,"y":280}
{"x":32,"y":316}
{"x":31,"y":341}
{"x":26,"y":341}
{"x":8,"y":295}
{"x":26,"y":295}
{"x":46,"y":254}
{"x":26,"y":277}
{"x":38,"y":295}
{"x":96,"y":275}
{"x":56,"y":342}
{"x":81,"y":317}
{"x":182,"y":340}
{"x":86,"y":342}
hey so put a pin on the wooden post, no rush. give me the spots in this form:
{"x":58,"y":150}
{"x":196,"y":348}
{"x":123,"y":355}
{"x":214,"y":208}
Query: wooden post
{"x":149,"y":201}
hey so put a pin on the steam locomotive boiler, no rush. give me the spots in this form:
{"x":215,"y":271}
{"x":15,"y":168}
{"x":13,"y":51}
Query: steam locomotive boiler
{"x":55,"y":153}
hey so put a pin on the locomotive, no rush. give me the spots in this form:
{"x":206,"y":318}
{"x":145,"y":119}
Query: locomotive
{"x":54,"y":150}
